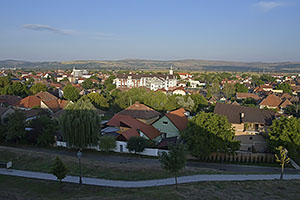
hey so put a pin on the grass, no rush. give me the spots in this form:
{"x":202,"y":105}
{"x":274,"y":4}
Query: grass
{"x":12,"y":188}
{"x":42,"y":162}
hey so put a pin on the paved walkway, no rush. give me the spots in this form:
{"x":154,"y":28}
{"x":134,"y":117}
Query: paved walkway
{"x":147,"y":183}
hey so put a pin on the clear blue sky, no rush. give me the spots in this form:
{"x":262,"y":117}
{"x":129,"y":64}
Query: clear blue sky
{"x":235,"y":30}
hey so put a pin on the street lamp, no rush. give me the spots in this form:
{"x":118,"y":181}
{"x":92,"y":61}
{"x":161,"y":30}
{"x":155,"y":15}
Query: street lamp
{"x":79,"y":155}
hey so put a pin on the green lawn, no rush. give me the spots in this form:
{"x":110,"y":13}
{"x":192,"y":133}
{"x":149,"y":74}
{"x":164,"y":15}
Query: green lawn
{"x":12,"y":188}
{"x":42,"y":162}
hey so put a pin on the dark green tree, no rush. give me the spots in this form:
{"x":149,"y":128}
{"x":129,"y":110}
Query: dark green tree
{"x":87,"y":84}
{"x":285,"y":87}
{"x":200,"y":103}
{"x":81,"y":124}
{"x":38,"y":87}
{"x":207,"y":133}
{"x":285,"y":132}
{"x":59,"y":169}
{"x":174,"y":161}
{"x":137,"y":144}
{"x":71,"y":93}
{"x":98,"y":100}
{"x":15,"y":131}
{"x":241,"y":88}
{"x":107,"y":143}
{"x":4,"y":81}
{"x":229,"y":90}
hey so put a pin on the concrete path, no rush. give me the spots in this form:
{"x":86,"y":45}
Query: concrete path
{"x":147,"y":183}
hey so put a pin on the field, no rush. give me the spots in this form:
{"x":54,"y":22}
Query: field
{"x":15,"y":188}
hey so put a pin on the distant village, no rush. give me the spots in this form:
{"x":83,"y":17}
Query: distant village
{"x":249,"y":101}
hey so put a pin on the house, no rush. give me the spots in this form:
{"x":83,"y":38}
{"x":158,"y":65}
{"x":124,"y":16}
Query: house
{"x":249,"y":124}
{"x":272,"y":101}
{"x":151,"y":81}
{"x":141,"y":112}
{"x":185,"y":75}
{"x":130,"y":127}
{"x":171,"y":124}
{"x":9,"y":100}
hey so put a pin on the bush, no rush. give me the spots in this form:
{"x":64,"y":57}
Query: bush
{"x":107,"y":143}
{"x":59,"y":169}
{"x":137,"y":144}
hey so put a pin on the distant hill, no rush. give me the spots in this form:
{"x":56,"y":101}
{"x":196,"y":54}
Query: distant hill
{"x":138,"y":64}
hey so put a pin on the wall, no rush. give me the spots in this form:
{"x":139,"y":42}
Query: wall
{"x":169,"y":128}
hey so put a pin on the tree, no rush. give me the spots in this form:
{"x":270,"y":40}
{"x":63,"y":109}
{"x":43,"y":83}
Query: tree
{"x":187,"y":104}
{"x":87,"y":84}
{"x":199,"y":102}
{"x":137,"y":144}
{"x":15,"y":127}
{"x":229,"y":90}
{"x":241,"y":88}
{"x":215,"y":87}
{"x":71,"y":93}
{"x":59,"y":169}
{"x":43,"y":131}
{"x":98,"y":100}
{"x":81,"y":124}
{"x":4,"y":81}
{"x":108,"y":83}
{"x":174,"y":161}
{"x":207,"y":133}
{"x":285,"y":87}
{"x":15,"y":88}
{"x":38,"y":87}
{"x":107,"y":143}
{"x":285,"y":132}
{"x":282,"y":158}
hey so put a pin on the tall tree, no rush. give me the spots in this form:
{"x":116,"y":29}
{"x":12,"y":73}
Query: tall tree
{"x":15,"y":131}
{"x":241,"y":88}
{"x":174,"y":160}
{"x":98,"y":100}
{"x":199,"y":102}
{"x":229,"y":90}
{"x":87,"y":84}
{"x":71,"y":93}
{"x":81,"y":124}
{"x":207,"y":133}
{"x":38,"y":87}
{"x":285,"y":132}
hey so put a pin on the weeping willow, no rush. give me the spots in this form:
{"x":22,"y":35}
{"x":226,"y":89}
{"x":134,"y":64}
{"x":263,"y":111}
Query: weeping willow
{"x":81,"y":124}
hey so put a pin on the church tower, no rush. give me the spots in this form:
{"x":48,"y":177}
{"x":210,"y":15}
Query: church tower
{"x":171,"y":70}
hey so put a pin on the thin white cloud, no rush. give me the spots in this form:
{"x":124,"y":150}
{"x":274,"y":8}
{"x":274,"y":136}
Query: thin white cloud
{"x":269,"y":5}
{"x":40,"y":27}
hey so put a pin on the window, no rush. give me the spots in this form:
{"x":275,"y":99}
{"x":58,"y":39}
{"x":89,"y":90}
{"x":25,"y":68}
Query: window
{"x":165,"y":122}
{"x":250,"y":138}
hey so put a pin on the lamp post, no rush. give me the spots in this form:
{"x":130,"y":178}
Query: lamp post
{"x":79,"y":155}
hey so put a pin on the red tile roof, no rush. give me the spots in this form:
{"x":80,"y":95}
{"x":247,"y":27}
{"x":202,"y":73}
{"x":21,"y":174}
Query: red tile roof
{"x":271,"y":101}
{"x":285,"y":104}
{"x":178,"y":118}
{"x":125,"y":120}
{"x":30,"y":102}
{"x":46,"y":96}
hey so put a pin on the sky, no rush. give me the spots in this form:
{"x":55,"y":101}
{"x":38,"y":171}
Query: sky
{"x":229,"y":30}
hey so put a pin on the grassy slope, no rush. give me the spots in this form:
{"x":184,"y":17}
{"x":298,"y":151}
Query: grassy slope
{"x":42,"y":162}
{"x":12,"y":188}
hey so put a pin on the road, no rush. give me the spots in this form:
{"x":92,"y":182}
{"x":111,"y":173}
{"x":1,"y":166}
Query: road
{"x":99,"y":156}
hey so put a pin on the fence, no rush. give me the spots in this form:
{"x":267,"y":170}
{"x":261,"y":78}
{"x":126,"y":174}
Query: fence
{"x":240,"y":157}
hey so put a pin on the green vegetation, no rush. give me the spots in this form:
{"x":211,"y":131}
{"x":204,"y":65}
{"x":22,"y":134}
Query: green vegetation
{"x":81,"y":124}
{"x":15,"y":131}
{"x":71,"y":93}
{"x":286,"y":132}
{"x":23,"y":188}
{"x":107,"y":143}
{"x":59,"y":169}
{"x":174,"y":161}
{"x":207,"y":133}
{"x":282,"y":158}
{"x":43,"y":162}
{"x":137,"y":144}
{"x":38,"y":87}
